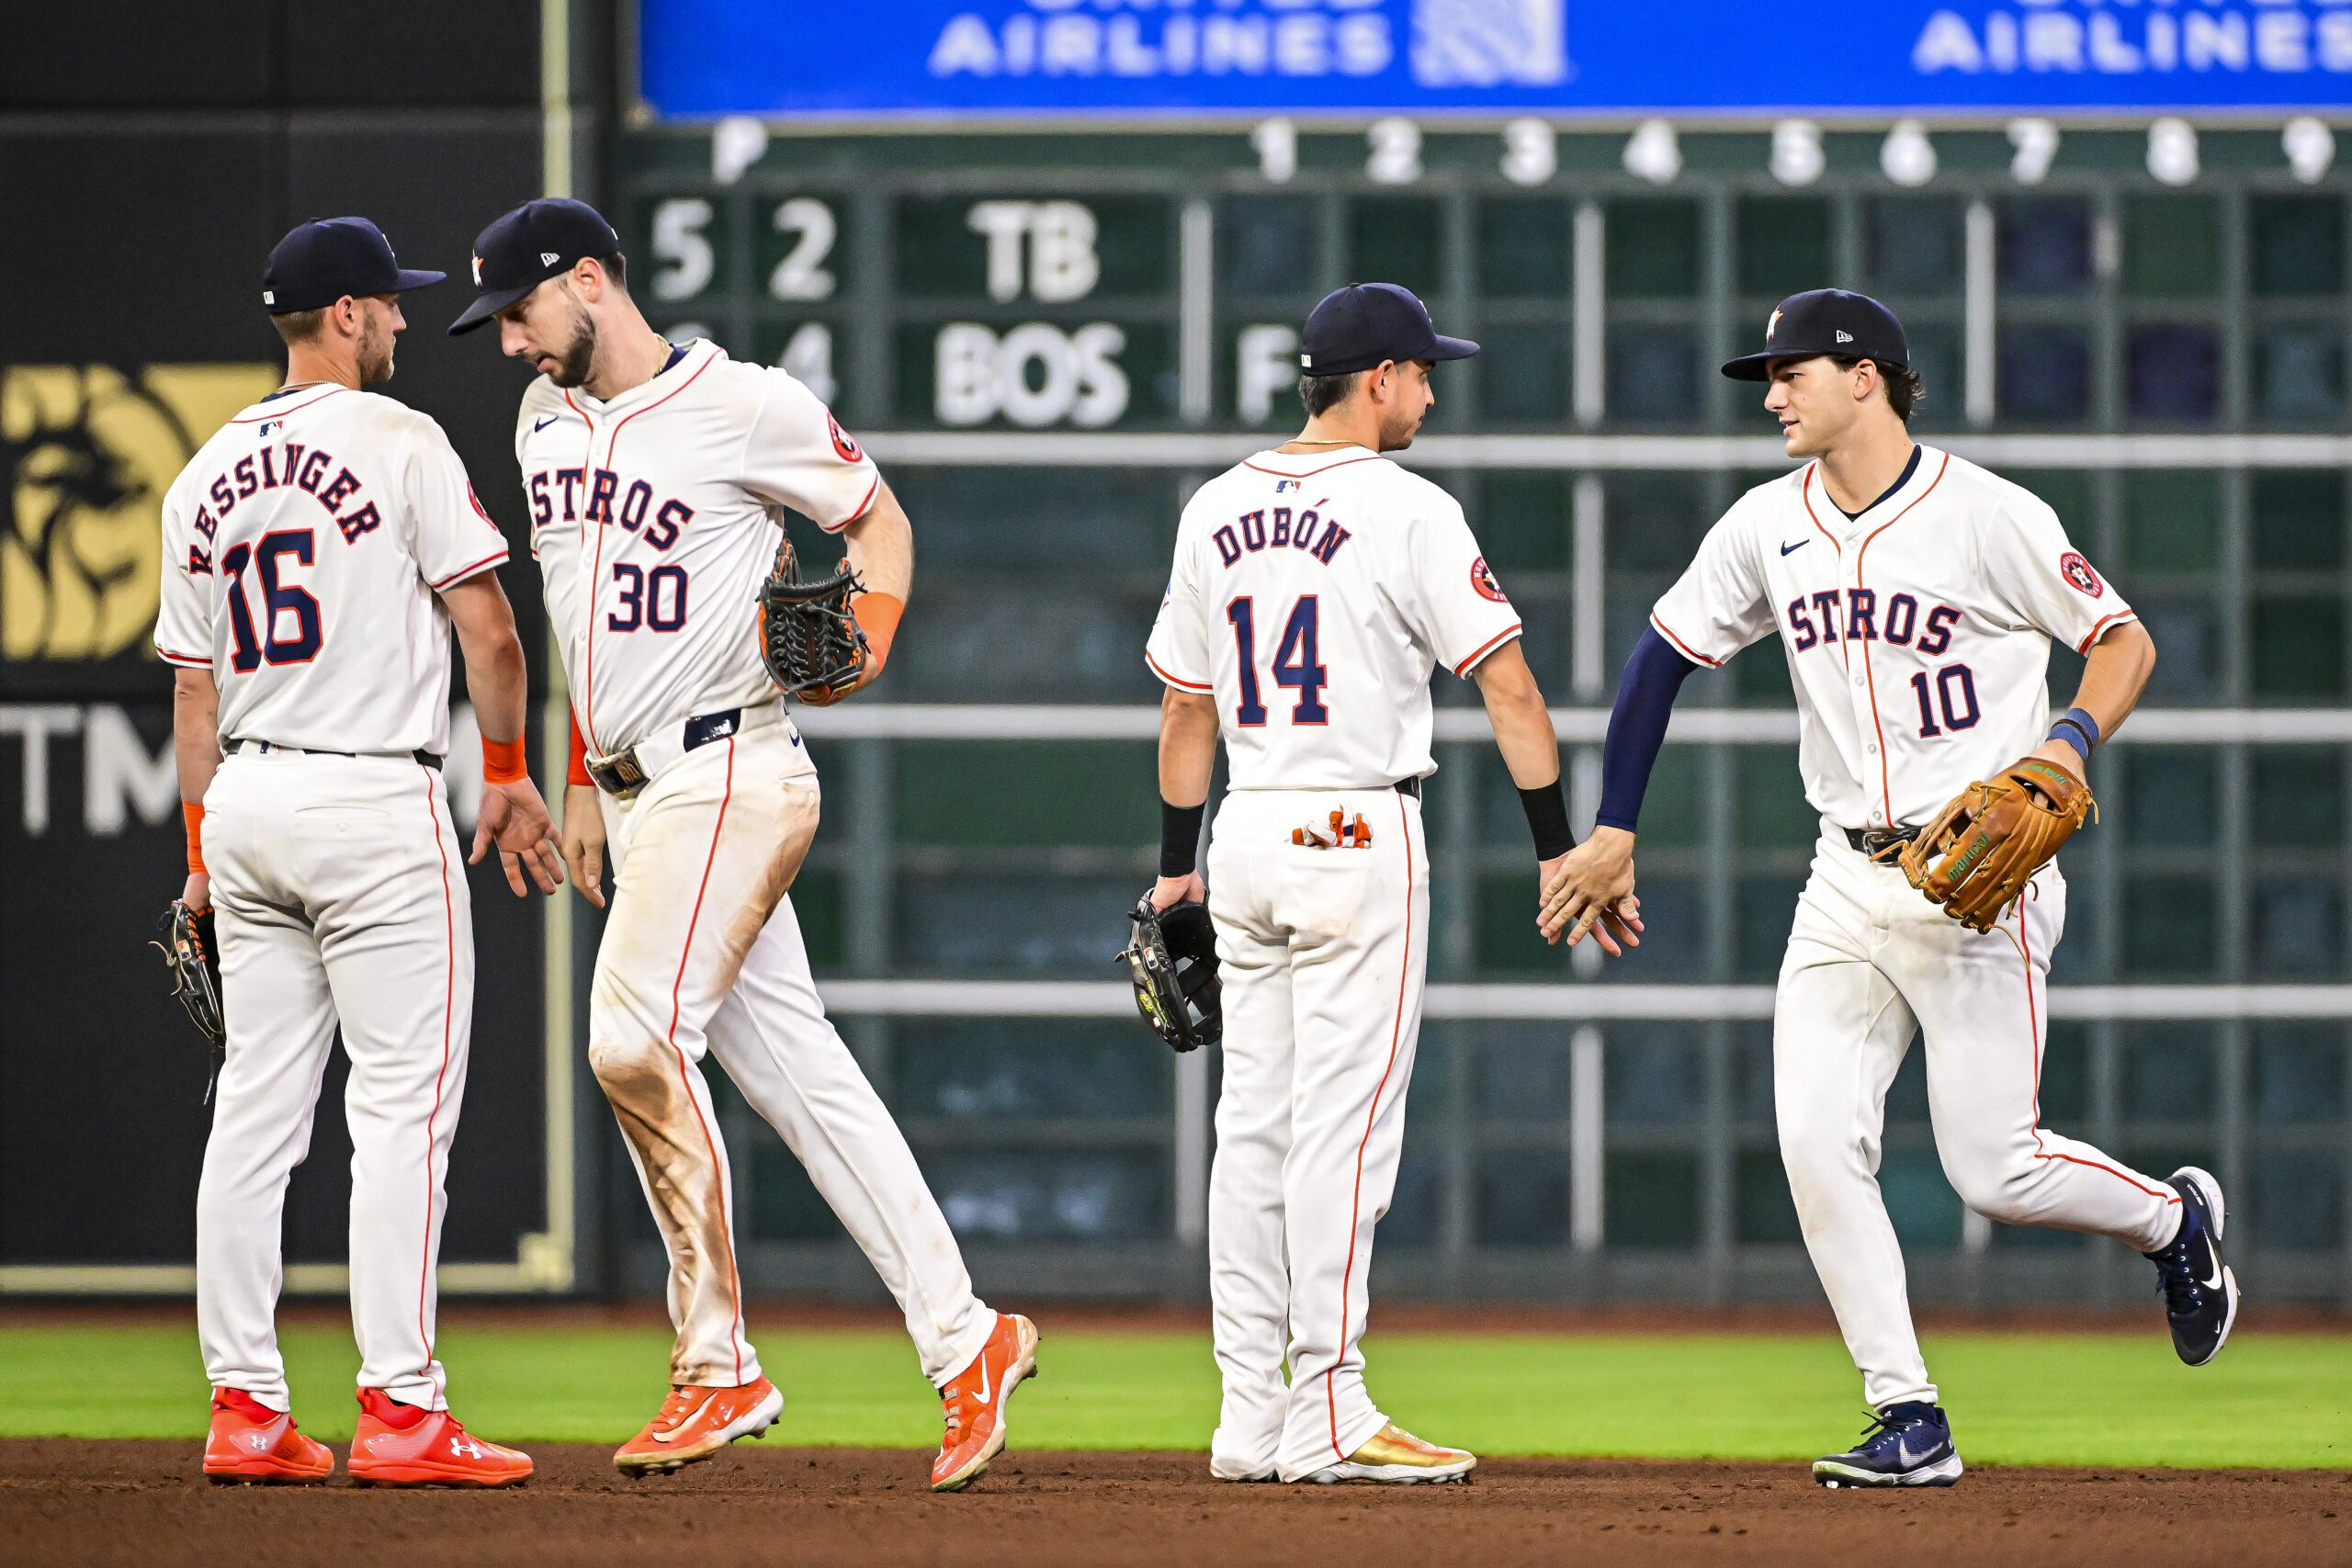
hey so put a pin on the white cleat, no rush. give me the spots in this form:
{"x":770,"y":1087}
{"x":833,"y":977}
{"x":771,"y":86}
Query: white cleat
{"x":1396,"y":1458}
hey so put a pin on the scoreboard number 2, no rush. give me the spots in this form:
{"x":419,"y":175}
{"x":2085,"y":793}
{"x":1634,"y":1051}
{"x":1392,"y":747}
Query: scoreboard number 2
{"x":801,"y":274}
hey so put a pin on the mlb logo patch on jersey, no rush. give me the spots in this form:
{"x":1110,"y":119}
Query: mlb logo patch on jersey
{"x":1483,"y":581}
{"x":2078,"y":571}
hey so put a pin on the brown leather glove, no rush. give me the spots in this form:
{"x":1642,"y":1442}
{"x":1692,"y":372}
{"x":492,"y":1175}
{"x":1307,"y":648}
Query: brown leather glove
{"x":1977,"y":856}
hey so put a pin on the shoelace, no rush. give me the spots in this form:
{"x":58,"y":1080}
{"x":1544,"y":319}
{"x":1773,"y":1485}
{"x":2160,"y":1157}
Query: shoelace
{"x":674,"y":1409}
{"x":2177,"y":1280}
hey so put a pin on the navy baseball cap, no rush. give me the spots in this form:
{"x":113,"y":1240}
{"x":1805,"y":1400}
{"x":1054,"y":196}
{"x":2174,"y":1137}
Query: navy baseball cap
{"x":321,"y":262}
{"x":1825,"y":320}
{"x":1357,"y":327}
{"x":537,"y":241}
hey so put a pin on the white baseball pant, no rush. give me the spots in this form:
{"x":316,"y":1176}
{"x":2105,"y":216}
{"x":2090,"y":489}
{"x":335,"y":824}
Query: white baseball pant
{"x":340,"y":896}
{"x":1321,"y":953}
{"x":702,"y":952}
{"x":1870,"y":963}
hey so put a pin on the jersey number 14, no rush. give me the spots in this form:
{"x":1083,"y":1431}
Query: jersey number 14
{"x":1298,"y":663}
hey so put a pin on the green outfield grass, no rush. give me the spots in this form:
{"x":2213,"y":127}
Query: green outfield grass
{"x":2016,"y":1398}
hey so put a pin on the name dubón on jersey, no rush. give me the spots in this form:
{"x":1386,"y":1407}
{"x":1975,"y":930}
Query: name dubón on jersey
{"x":277,"y":467}
{"x":1288,"y":532}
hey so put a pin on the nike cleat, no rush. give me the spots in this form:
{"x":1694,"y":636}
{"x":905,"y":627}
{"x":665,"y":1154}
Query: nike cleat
{"x":2201,"y":1293}
{"x":1909,"y":1445}
{"x":406,"y":1445}
{"x":695,"y":1423}
{"x":251,"y":1445}
{"x":1395,"y":1457}
{"x":974,"y":1402}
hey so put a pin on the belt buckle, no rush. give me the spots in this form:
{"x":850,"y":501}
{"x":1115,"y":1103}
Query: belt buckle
{"x":618,"y":774}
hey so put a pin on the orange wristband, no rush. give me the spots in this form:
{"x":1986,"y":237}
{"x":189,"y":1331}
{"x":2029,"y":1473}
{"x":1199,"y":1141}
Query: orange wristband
{"x":576,"y":771}
{"x":192,"y":814}
{"x":878,"y":616}
{"x":503,"y":760}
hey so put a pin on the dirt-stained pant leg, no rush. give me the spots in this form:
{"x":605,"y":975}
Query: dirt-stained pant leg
{"x":794,"y":1068}
{"x":704,"y":854}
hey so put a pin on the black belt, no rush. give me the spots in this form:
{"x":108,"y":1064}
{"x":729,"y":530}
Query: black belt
{"x":1879,"y":840}
{"x":419,"y":756}
{"x":620,"y":773}
{"x":1410,"y":787}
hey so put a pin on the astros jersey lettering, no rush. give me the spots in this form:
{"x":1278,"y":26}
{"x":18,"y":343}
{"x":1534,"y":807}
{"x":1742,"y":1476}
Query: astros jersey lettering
{"x":304,"y":548}
{"x":1917,"y":635}
{"x":1323,"y":585}
{"x":653,"y":518}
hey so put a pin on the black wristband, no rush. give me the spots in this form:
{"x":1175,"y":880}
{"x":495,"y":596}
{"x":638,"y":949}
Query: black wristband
{"x":1179,"y":838}
{"x":1547,"y":819}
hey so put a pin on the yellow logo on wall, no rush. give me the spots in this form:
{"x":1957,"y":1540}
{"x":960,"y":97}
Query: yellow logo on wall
{"x":86,"y":453}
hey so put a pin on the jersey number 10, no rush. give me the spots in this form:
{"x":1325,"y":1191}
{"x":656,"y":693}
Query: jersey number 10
{"x":1298,"y":663}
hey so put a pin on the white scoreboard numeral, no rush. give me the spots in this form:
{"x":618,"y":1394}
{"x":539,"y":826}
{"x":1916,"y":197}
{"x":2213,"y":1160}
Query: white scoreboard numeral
{"x":1276,"y":141}
{"x":1265,"y":364}
{"x":1058,"y":237}
{"x":1654,"y":152}
{"x":1906,"y":156}
{"x":809,"y":356}
{"x":1396,"y":151}
{"x":1797,"y":157}
{"x":688,"y":261}
{"x":2309,"y":147}
{"x":801,"y":274}
{"x":2036,"y":141}
{"x":2172,"y":151}
{"x":1034,"y":375}
{"x":1531,"y":151}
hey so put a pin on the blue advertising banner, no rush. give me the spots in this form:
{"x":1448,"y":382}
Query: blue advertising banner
{"x":699,"y":58}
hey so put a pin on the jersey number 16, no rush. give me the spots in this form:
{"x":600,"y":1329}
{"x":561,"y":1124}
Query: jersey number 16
{"x":1298,"y":663}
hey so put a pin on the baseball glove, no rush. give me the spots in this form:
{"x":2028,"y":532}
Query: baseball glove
{"x":809,"y":639}
{"x":1977,"y":856}
{"x":1173,"y":962}
{"x":190,"y":948}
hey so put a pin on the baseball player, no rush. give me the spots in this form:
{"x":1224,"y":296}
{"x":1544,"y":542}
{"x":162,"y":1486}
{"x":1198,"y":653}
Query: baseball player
{"x":1315,"y":587}
{"x":1915,"y":596}
{"x":317,"y":552}
{"x":657,"y":475}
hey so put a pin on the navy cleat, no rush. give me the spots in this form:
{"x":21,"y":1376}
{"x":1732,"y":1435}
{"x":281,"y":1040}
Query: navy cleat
{"x":1909,"y":1445}
{"x":2201,"y":1293}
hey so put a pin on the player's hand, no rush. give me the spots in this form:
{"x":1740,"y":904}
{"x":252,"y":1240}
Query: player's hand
{"x":512,"y":816}
{"x":197,"y":894}
{"x":1170,"y":891}
{"x":583,"y":841}
{"x":1591,"y":890}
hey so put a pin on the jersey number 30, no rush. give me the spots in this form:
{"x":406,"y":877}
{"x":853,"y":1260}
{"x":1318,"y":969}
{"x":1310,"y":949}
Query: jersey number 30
{"x":281,"y":602}
{"x":1298,"y":663}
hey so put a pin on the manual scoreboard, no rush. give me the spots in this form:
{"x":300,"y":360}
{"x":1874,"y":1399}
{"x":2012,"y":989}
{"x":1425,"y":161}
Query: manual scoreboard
{"x":2162,"y":273}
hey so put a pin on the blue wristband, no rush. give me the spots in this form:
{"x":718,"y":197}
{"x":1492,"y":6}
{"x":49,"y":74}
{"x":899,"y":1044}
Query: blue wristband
{"x":2077,"y":729}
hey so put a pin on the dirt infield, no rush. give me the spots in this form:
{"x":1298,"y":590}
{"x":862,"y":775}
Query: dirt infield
{"x":142,"y":1503}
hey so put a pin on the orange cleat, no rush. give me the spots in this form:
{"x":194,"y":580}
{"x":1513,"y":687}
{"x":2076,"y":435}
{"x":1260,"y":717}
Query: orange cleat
{"x":975,"y":1399}
{"x":251,"y":1444}
{"x":695,"y":1423}
{"x":405,"y":1444}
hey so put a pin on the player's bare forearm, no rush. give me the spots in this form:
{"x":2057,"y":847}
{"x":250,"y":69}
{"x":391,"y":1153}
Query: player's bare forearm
{"x":496,"y":677}
{"x":881,"y":543}
{"x":196,"y":730}
{"x":1187,"y":746}
{"x":1522,"y":723}
{"x":2114,"y":675}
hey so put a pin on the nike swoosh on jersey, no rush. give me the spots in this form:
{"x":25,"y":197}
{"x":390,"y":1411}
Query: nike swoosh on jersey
{"x":552,"y":418}
{"x":1791,"y":550}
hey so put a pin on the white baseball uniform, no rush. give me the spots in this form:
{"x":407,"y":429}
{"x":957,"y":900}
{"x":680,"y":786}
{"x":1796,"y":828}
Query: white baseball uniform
{"x":304,"y":548}
{"x":1917,"y":635}
{"x":655,"y":519}
{"x":1312,"y":595}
